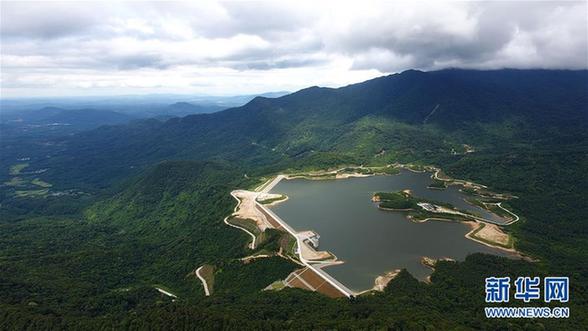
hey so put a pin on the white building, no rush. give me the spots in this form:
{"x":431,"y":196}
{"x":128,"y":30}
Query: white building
{"x":310,"y":237}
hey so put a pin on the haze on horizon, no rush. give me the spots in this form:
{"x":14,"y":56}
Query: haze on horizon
{"x":231,"y":48}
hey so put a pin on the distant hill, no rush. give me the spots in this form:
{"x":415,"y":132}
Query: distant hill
{"x":65,"y":120}
{"x":54,"y":118}
{"x":143,"y":106}
{"x":181,"y":109}
{"x":83,"y":118}
{"x":360,"y":119}
{"x":234,"y":101}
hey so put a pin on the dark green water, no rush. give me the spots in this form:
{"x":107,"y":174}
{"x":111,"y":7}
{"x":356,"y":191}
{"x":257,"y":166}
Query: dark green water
{"x":369,"y":240}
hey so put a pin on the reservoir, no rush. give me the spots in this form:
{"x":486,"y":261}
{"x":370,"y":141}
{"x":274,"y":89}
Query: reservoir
{"x":371,"y":241}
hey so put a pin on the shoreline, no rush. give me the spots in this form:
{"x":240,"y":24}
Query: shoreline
{"x":394,"y":209}
{"x":275,"y":200}
{"x":381,"y":281}
{"x":317,"y":265}
{"x":314,"y":265}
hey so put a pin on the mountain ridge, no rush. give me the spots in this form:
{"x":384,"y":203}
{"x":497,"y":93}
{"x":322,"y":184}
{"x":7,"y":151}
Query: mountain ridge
{"x":321,"y":120}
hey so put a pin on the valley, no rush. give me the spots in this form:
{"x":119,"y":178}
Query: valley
{"x":293,"y":165}
{"x":138,"y":206}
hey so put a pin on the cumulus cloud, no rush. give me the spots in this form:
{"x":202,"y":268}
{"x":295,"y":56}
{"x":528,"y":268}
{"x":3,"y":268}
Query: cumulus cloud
{"x":222,"y":47}
{"x":467,"y":34}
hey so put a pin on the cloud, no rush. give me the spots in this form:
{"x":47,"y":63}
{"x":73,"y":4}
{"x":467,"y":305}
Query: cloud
{"x":467,"y":34}
{"x":92,"y":47}
{"x":47,"y":20}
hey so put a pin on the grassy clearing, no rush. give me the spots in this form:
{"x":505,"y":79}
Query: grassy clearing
{"x":247,"y":224}
{"x":438,"y":184}
{"x":207,"y":272}
{"x":375,"y":170}
{"x":288,"y":245}
{"x":269,"y":201}
{"x":17,"y":168}
{"x":416,"y":167}
{"x":277,"y":285}
{"x":41,"y":183}
{"x":389,"y":170}
{"x":396,"y":200}
{"x":315,"y":176}
{"x":15,"y":181}
{"x":386,"y":170}
{"x":352,"y":170}
{"x":32,"y":193}
{"x":262,"y":238}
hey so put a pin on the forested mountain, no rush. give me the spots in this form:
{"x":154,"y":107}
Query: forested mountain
{"x":393,"y":113}
{"x":149,"y":199}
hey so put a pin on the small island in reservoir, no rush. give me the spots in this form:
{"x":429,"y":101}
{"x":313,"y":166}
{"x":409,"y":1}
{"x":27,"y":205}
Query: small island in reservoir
{"x":397,"y":201}
{"x":419,"y":209}
{"x":422,"y":210}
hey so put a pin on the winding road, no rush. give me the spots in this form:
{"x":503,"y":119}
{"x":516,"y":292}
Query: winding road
{"x":226,"y":221}
{"x":206,"y":290}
